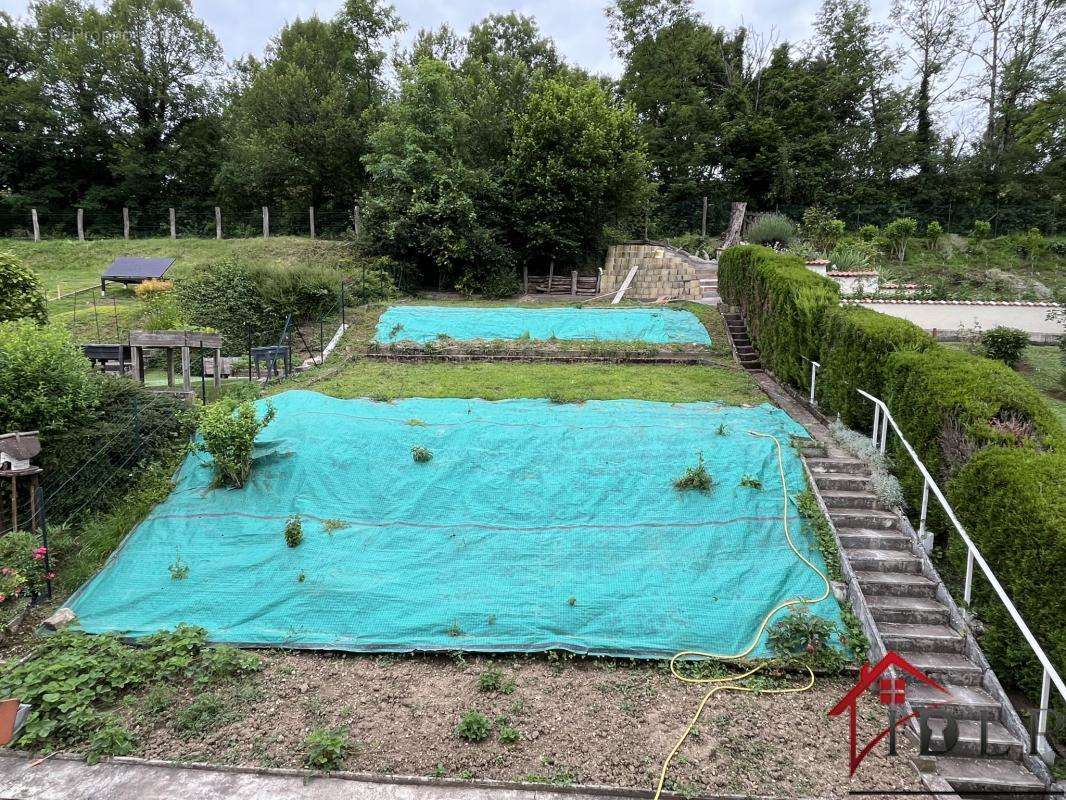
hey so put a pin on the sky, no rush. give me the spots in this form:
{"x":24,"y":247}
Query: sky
{"x":577,"y":26}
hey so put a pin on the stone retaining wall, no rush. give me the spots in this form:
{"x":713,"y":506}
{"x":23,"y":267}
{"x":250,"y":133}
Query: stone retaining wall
{"x":663,"y":272}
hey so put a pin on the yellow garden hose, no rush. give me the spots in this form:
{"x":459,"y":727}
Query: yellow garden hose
{"x":730,"y":682}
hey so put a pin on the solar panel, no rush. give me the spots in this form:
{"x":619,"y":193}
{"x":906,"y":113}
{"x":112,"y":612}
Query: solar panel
{"x":137,"y":268}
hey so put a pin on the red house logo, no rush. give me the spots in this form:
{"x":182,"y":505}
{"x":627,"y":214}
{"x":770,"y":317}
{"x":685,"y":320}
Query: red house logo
{"x":891,"y":692}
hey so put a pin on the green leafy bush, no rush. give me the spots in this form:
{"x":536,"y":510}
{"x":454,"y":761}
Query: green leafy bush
{"x":804,"y":637}
{"x":1005,"y":344}
{"x":982,"y":229}
{"x":326,"y":749}
{"x":371,"y":283}
{"x":22,"y":571}
{"x":421,"y":455}
{"x":783,"y":303}
{"x":898,"y":234}
{"x":20,"y":292}
{"x":854,"y":346}
{"x":111,"y":738}
{"x":821,"y":229}
{"x":474,"y":727}
{"x":770,"y":229}
{"x":696,"y":478}
{"x":1012,"y":502}
{"x":849,"y":256}
{"x":201,"y":715}
{"x":45,"y":381}
{"x":869,"y":233}
{"x":934,"y":232}
{"x":294,"y":531}
{"x":229,"y":430}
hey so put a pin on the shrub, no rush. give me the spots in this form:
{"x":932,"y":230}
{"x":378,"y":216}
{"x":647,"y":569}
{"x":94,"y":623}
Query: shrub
{"x":509,"y":735}
{"x":1012,"y":502}
{"x":898,"y":234}
{"x":869,"y":233}
{"x":474,"y":727}
{"x":325,"y":749}
{"x":854,"y":346}
{"x":770,"y":229}
{"x":805,"y":637}
{"x":110,"y":739}
{"x":421,"y":454}
{"x":20,"y":292}
{"x":934,"y":232}
{"x":821,"y":229}
{"x":371,"y":283}
{"x":695,"y":478}
{"x":981,"y":230}
{"x":1005,"y":344}
{"x":1031,"y":244}
{"x":849,"y":257}
{"x":229,"y":430}
{"x":160,"y":312}
{"x":783,"y":303}
{"x":45,"y":381}
{"x":294,"y":531}
{"x":22,"y":571}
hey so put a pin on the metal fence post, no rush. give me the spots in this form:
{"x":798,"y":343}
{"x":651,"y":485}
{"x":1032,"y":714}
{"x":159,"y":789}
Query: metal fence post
{"x":42,"y":521}
{"x":967,"y":589}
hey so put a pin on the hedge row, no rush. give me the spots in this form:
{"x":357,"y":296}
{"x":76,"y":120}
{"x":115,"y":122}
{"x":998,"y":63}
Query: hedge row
{"x":783,"y":304}
{"x":1012,"y":502}
{"x":983,"y":431}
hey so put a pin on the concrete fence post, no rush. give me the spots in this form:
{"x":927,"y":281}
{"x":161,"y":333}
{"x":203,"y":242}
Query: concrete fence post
{"x":125,"y":223}
{"x":36,"y":225}
{"x":573,"y":283}
{"x":266,"y":222}
{"x":81,"y":224}
{"x":525,"y":278}
{"x":173,"y":225}
{"x":703,"y":226}
{"x":218,"y":222}
{"x":312,"y":213}
{"x":357,"y":221}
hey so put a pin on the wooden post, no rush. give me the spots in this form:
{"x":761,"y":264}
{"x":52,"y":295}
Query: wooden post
{"x":36,"y":226}
{"x":138,"y":363}
{"x":218,"y":222}
{"x":703,"y":227}
{"x":551,"y":274}
{"x":266,"y":222}
{"x":170,"y":367}
{"x":173,"y":225}
{"x":125,"y":223}
{"x":357,"y":221}
{"x":186,"y":370}
{"x":312,"y":210}
{"x":218,"y":369}
{"x":33,"y":504}
{"x":573,"y":283}
{"x":525,"y":278}
{"x":81,"y":224}
{"x":14,"y":504}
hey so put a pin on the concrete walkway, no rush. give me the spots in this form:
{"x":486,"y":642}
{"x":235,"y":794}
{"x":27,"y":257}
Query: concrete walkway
{"x":125,"y":780}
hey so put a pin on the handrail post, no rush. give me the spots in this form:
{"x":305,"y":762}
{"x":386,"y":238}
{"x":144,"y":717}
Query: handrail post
{"x":877,"y":423}
{"x":814,"y":380}
{"x":924,"y":538}
{"x":1042,"y":745}
{"x":884,"y":433}
{"x":967,"y":589}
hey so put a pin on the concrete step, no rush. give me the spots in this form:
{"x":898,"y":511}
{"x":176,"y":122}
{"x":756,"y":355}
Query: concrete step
{"x":838,"y":466}
{"x":924,"y":638}
{"x":988,"y":776}
{"x":842,"y":482}
{"x":866,"y":539}
{"x":868,"y":560}
{"x":962,"y":702}
{"x":908,"y":610}
{"x":944,"y":668}
{"x":864,"y":518}
{"x":895,"y":584}
{"x":850,"y":499}
{"x":999,"y":741}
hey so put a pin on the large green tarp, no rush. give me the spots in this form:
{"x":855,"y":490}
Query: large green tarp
{"x":535,"y":525}
{"x":427,"y":323}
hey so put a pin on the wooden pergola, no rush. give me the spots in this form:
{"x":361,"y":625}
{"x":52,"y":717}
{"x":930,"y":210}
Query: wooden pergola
{"x":183,"y":341}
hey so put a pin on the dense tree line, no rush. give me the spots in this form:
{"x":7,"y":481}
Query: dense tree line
{"x":486,"y":148}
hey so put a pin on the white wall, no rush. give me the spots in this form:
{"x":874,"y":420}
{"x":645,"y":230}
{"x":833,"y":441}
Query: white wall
{"x":949,"y":316}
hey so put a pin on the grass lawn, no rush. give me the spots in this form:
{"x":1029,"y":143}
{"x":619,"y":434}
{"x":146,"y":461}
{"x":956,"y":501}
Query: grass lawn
{"x":563,"y":382}
{"x":1043,"y":367}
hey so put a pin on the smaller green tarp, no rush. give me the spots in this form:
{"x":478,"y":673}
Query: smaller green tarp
{"x":427,"y":323}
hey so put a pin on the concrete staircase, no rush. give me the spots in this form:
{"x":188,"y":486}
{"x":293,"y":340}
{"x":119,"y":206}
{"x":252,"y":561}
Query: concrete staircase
{"x":746,"y":354}
{"x":707,"y":272}
{"x":907,"y":609}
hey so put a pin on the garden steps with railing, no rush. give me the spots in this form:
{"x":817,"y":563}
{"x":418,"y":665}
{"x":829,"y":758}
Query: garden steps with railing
{"x":906,"y":607}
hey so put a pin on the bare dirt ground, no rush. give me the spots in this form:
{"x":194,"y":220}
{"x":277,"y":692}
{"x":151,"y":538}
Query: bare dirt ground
{"x":592,"y":721}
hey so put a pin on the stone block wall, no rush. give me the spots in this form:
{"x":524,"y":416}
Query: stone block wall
{"x":663,"y":272}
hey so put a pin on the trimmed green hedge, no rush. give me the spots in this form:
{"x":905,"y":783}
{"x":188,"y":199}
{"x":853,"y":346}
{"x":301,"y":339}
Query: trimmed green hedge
{"x":855,"y":345}
{"x":1012,"y":502}
{"x":783,"y":304}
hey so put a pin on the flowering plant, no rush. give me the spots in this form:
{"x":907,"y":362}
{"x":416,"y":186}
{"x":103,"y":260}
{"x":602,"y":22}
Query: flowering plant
{"x":22,"y":566}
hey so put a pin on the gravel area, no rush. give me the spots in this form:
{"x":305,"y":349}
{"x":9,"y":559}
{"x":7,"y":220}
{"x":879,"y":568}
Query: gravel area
{"x":579,"y":721}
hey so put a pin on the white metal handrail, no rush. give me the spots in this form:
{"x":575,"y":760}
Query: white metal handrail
{"x":814,"y":377}
{"x":882,"y":419}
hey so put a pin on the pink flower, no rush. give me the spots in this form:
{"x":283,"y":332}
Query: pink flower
{"x":3,"y":597}
{"x":5,"y":571}
{"x":38,"y":556}
{"x":49,"y":576}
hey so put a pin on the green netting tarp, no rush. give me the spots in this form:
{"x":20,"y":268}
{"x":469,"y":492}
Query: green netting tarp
{"x":534,"y":526}
{"x":426,"y":323}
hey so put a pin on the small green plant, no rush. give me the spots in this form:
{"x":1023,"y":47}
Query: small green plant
{"x":225,"y":663}
{"x":934,"y":232}
{"x":722,"y":430}
{"x":807,"y":505}
{"x":331,"y":526}
{"x":1005,"y":344}
{"x":110,"y":739}
{"x":201,"y":714}
{"x":294,"y":531}
{"x":770,"y":229}
{"x":748,"y":482}
{"x":439,"y":771}
{"x":492,"y":619}
{"x":695,"y":478}
{"x":898,"y":234}
{"x":301,"y":577}
{"x":395,"y":329}
{"x":982,"y":229}
{"x":490,"y":680}
{"x":850,"y":256}
{"x":229,"y":429}
{"x":455,"y":629}
{"x":571,"y":601}
{"x":474,"y":727}
{"x":179,"y":570}
{"x":420,"y":454}
{"x":509,"y":735}
{"x":805,"y":637}
{"x":326,"y":749}
{"x":415,"y":422}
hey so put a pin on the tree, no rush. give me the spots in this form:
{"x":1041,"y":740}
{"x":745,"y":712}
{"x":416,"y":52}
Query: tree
{"x":577,"y":164}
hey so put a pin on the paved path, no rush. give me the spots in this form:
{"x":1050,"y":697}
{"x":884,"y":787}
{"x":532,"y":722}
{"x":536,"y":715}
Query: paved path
{"x":122,"y":780}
